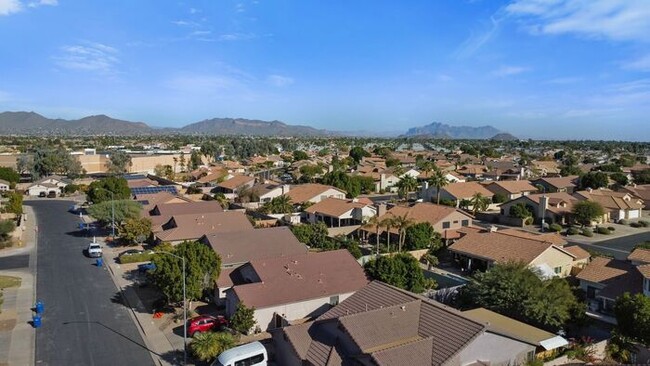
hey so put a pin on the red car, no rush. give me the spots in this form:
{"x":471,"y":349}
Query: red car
{"x":205,"y":323}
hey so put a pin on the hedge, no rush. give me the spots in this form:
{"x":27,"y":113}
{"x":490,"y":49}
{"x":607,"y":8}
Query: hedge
{"x":133,"y":258}
{"x":636,"y":224}
{"x":624,"y":222}
{"x":644,"y":223}
{"x":611,"y":228}
{"x":587,"y":232}
{"x":573,"y":231}
{"x":602,"y":230}
{"x":555,"y":227}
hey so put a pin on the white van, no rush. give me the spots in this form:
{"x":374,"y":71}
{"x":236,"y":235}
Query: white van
{"x":250,"y":354}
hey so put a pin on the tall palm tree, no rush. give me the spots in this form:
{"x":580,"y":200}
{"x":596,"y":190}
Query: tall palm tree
{"x":426,"y":167}
{"x":401,"y":223}
{"x":479,"y":203}
{"x":407,"y":184}
{"x":388,"y":222}
{"x":279,"y":205}
{"x":375,"y":222}
{"x":438,"y":180}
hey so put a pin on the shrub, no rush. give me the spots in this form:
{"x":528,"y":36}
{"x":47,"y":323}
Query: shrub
{"x":528,"y":221}
{"x":587,"y":232}
{"x":133,"y":258}
{"x":602,"y":230}
{"x":636,"y":224}
{"x":573,"y":231}
{"x":644,"y":223}
{"x":624,"y":222}
{"x":611,"y":228}
{"x":555,"y":227}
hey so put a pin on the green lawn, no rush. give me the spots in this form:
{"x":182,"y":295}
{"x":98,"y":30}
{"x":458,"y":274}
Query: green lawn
{"x":8,"y":281}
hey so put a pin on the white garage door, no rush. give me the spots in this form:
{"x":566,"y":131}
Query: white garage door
{"x":633,"y":214}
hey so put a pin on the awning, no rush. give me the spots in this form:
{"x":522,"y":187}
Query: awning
{"x":553,"y":343}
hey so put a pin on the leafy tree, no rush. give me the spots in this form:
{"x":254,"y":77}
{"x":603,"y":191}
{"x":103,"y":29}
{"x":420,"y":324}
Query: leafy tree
{"x":119,"y":162}
{"x":135,"y":230}
{"x":633,"y":317}
{"x":202,"y":267}
{"x":24,"y":164}
{"x":609,"y":168}
{"x":513,"y":290}
{"x":182,"y":161}
{"x":619,"y":178}
{"x":567,"y":170}
{"x":243,"y":319}
{"x":587,"y":211}
{"x":278,"y":205}
{"x":351,"y":245}
{"x":314,"y":235}
{"x":357,"y":153}
{"x":99,"y":191}
{"x":521,"y":211}
{"x":10,"y":175}
{"x":221,"y":198}
{"x":207,"y":346}
{"x":309,"y":172}
{"x":438,"y":180}
{"x":48,"y":161}
{"x":209,"y":150}
{"x":6,"y":228}
{"x":195,"y":160}
{"x":124,"y":210}
{"x":300,"y":155}
{"x":594,"y":180}
{"x":15,"y":203}
{"x":499,"y":198}
{"x":421,"y":236}
{"x":353,"y":185}
{"x":401,"y":270}
{"x":642,"y":177}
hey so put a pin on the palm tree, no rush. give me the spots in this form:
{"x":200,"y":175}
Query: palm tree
{"x":375,"y":222}
{"x":479,"y":203}
{"x":438,"y":180}
{"x":279,"y":205}
{"x":207,"y":346}
{"x":221,"y":198}
{"x":407,"y":184}
{"x":426,"y":167}
{"x":388,"y":222}
{"x":401,"y":223}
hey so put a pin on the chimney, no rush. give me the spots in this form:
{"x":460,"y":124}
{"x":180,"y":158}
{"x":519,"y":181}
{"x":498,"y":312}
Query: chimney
{"x":543,"y":206}
{"x":381,"y":209}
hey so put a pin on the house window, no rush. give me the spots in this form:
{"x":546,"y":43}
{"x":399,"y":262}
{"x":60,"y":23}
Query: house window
{"x":591,"y":292}
{"x":465,"y":223}
{"x":334,"y":300}
{"x":446,"y":225}
{"x":557,"y":270}
{"x":530,"y":356}
{"x":455,"y":221}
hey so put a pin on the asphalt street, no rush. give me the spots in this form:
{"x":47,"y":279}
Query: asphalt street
{"x":14,"y":262}
{"x":84,"y":321}
{"x":619,"y":248}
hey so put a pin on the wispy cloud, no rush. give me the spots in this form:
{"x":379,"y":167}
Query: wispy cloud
{"x":230,"y":37}
{"x":619,"y":20}
{"x":506,"y":70}
{"x":89,"y":56}
{"x":36,"y":4}
{"x":8,"y":7}
{"x":563,"y":80}
{"x":279,"y":80}
{"x":476,"y":40}
{"x":185,"y":23}
{"x":639,"y":64}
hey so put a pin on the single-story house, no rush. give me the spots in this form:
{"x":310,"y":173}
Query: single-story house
{"x":557,"y":184}
{"x":161,"y":212}
{"x":554,"y":207}
{"x":605,"y":279}
{"x":512,"y":189}
{"x":641,"y":190}
{"x":456,"y":192}
{"x":384,"y":325}
{"x":4,"y":185}
{"x":53,"y":183}
{"x":236,"y":183}
{"x":617,"y":205}
{"x":291,"y":288}
{"x":313,"y":193}
{"x":268,"y":191}
{"x":336,"y":212}
{"x":180,"y":228}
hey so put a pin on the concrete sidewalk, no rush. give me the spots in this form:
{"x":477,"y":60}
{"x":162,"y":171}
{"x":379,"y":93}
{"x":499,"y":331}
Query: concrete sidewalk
{"x":17,"y":334}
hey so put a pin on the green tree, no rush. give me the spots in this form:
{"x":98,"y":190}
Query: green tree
{"x":202,"y":267}
{"x":520,"y":210}
{"x":438,"y":180}
{"x":375,"y":223}
{"x":594,"y":180}
{"x":513,"y":290}
{"x":14,"y":203}
{"x":119,"y":162}
{"x":314,"y":235}
{"x":620,"y":179}
{"x":6,"y":228}
{"x":584,"y":212}
{"x":388,"y":222}
{"x":567,"y":170}
{"x":124,"y":210}
{"x":182,"y":161}
{"x":278,"y":205}
{"x":421,"y":236}
{"x":499,"y":198}
{"x":100,"y":191}
{"x":300,"y":155}
{"x":209,"y":150}
{"x":633,"y":317}
{"x":207,"y":346}
{"x":243,"y":319}
{"x":10,"y":175}
{"x":221,"y":198}
{"x":405,"y":185}
{"x":195,"y":160}
{"x":357,"y":153}
{"x":309,"y":172}
{"x":401,"y":224}
{"x":401,"y":270}
{"x":47,"y":161}
{"x":479,"y":202}
{"x":135,"y":230}
{"x":642,"y":177}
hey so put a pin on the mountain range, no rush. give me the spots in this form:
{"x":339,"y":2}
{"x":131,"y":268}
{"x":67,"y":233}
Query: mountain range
{"x":31,"y":123}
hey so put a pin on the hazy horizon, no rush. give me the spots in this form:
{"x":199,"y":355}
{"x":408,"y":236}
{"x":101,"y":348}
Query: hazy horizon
{"x":564,"y":69}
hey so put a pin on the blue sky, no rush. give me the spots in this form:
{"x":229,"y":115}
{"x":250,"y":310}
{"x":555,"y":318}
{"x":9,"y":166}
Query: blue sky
{"x":569,"y":69}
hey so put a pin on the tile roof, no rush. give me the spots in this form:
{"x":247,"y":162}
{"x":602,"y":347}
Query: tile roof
{"x":642,"y":191}
{"x":244,"y":246}
{"x":558,"y":202}
{"x":421,"y":212}
{"x":297,"y":278}
{"x":514,"y":186}
{"x":561,"y":182}
{"x":213,"y":176}
{"x":509,"y":327}
{"x":236,"y":182}
{"x":644,"y":270}
{"x":305,"y":192}
{"x":553,"y":238}
{"x":132,"y":183}
{"x":617,"y":276}
{"x":640,"y":255}
{"x":502,"y":247}
{"x":194,"y":226}
{"x":465,"y":190}
{"x":334,"y":206}
{"x":185,"y":208}
{"x":390,"y":325}
{"x":577,"y":252}
{"x":612,"y":200}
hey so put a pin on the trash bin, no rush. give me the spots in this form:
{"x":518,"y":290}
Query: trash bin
{"x":39,"y":307}
{"x":99,"y":262}
{"x":36,"y":321}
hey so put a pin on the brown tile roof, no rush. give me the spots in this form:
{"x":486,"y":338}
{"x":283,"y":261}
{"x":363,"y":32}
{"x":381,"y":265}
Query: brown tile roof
{"x":334,"y":207}
{"x":561,"y":182}
{"x":392,"y":326}
{"x":194,"y":207}
{"x":558,"y":202}
{"x":236,"y":182}
{"x":640,"y":255}
{"x":244,"y":246}
{"x":472,"y":169}
{"x":194,"y":226}
{"x":501,"y":247}
{"x":420,"y":212}
{"x":141,"y":183}
{"x":612,"y":200}
{"x":465,"y":190}
{"x":577,"y":252}
{"x":305,"y":192}
{"x":642,"y":191}
{"x":514,"y":186}
{"x":296,"y":278}
{"x":553,"y":238}
{"x":213,"y":176}
{"x":602,"y":269}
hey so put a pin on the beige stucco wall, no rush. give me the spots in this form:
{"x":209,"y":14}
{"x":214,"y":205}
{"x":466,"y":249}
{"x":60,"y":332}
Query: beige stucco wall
{"x":454,"y":216}
{"x":93,"y":164}
{"x":553,"y":257}
{"x":147,"y":163}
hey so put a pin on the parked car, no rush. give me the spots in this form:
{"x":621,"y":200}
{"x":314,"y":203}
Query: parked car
{"x":205,"y":323}
{"x":94,"y":250}
{"x":146,"y":267}
{"x":253,"y":354}
{"x":42,"y":194}
{"x":51,"y":194}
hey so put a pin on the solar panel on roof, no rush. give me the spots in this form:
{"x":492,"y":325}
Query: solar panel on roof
{"x":154,"y":189}
{"x":135,"y":177}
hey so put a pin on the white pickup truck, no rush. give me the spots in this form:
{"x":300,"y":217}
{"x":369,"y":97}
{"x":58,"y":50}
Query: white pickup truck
{"x":94,"y":250}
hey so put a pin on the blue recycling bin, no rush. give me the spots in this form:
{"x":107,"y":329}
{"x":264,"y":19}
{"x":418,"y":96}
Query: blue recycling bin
{"x":39,"y":307}
{"x":99,"y":262}
{"x":36,"y":321}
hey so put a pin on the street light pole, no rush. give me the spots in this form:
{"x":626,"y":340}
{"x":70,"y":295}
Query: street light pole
{"x":112,"y":215}
{"x":184,"y":306}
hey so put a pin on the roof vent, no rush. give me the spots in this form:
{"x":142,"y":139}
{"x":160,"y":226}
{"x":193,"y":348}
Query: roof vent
{"x":403,"y":308}
{"x":493,"y":229}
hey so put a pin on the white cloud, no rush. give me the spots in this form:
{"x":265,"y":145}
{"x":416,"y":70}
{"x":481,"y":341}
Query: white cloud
{"x":35,"y":4}
{"x":10,"y":6}
{"x":279,"y":80}
{"x":237,"y":37}
{"x":564,"y":80}
{"x":476,"y":40}
{"x":88,"y":56}
{"x":640,"y":64}
{"x":504,"y":71}
{"x":619,"y":20}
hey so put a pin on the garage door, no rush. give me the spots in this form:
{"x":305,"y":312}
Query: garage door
{"x":633,"y":214}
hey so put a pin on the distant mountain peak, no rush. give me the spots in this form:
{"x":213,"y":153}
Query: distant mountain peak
{"x":443,"y":130}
